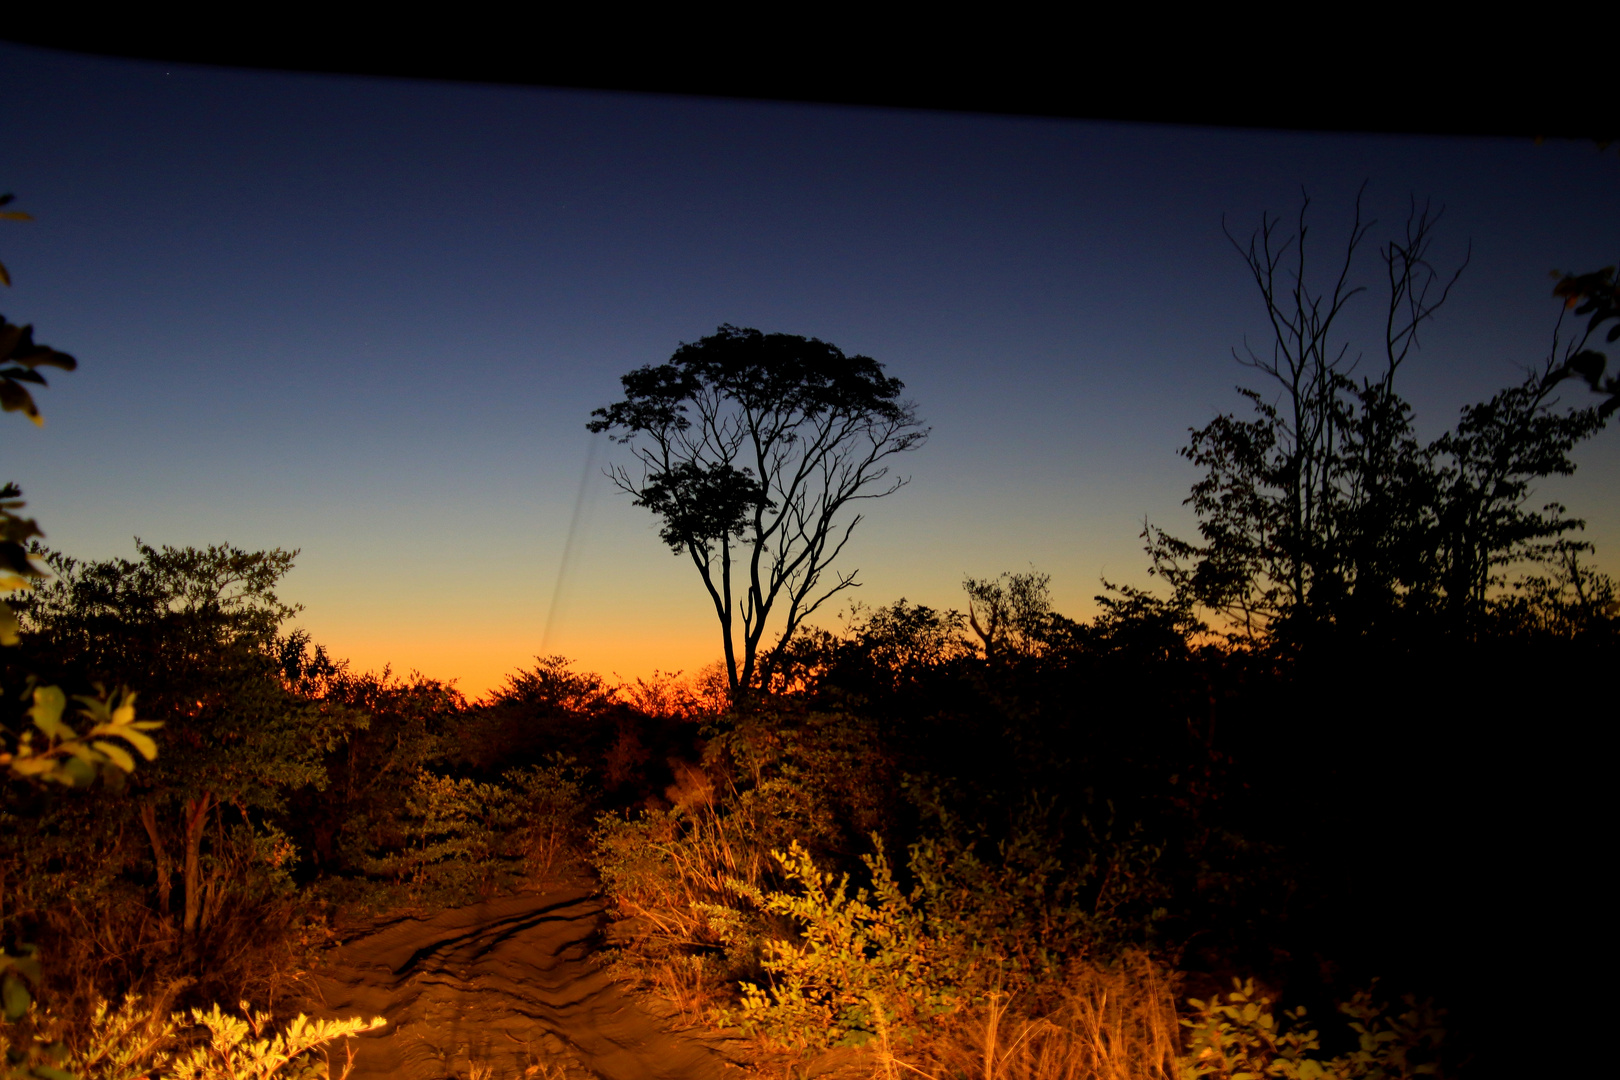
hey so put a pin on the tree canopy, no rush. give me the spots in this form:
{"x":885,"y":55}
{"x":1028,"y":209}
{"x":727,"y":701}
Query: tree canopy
{"x":751,"y":446}
{"x":1323,"y":513}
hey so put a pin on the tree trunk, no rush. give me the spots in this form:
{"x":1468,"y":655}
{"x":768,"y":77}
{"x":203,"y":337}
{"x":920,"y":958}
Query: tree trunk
{"x":160,"y":857}
{"x":214,"y":891}
{"x":196,"y":818}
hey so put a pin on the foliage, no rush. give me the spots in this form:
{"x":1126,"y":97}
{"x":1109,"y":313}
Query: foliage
{"x":57,"y":752}
{"x":1324,"y":512}
{"x":399,"y":727}
{"x":1010,"y":612}
{"x":883,"y":653}
{"x":139,"y":1039}
{"x":681,"y":878}
{"x":10,"y":215}
{"x":668,"y":876}
{"x":47,"y":749}
{"x":463,"y":837}
{"x":546,"y":812}
{"x":1597,"y":296}
{"x":868,"y":963}
{"x":887,"y":961}
{"x":24,"y":357}
{"x":750,"y":447}
{"x":201,"y":626}
{"x":1236,"y":1036}
{"x":248,"y":1048}
{"x":1035,"y":898}
{"x":53,"y":750}
{"x":551,"y":684}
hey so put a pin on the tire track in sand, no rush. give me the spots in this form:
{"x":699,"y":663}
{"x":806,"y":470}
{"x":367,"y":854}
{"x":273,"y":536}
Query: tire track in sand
{"x":505,"y":985}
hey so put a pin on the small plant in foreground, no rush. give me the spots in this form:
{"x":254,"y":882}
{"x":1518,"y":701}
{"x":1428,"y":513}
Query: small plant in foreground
{"x":1236,"y":1036}
{"x":245,"y":1047}
{"x":139,"y":1039}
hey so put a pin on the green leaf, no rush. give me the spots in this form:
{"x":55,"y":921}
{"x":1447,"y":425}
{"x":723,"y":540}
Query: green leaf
{"x":14,"y":997}
{"x":49,"y":701}
{"x":141,"y":742}
{"x":117,"y":754}
{"x":75,"y":773}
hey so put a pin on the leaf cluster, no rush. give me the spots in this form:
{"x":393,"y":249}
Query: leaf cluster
{"x":20,"y":360}
{"x":759,"y":442}
{"x":51,"y":749}
{"x":139,"y":1038}
{"x":1237,"y":1036}
{"x":1597,"y":296}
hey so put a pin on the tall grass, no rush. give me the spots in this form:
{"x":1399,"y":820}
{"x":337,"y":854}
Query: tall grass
{"x":1113,"y":1023}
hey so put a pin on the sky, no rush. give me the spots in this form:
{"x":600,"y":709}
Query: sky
{"x":368,"y":319}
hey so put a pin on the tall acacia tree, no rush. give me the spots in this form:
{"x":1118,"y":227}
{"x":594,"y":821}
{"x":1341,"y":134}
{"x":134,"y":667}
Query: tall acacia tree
{"x":751,"y":447}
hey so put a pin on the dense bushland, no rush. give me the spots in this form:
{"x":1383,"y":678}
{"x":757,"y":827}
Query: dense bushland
{"x":934,"y":838}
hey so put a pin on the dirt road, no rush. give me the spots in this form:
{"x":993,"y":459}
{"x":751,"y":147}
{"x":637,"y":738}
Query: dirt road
{"x":503,"y":989}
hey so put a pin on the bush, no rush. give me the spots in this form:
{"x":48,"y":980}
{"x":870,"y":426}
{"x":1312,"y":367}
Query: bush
{"x":681,"y":880}
{"x":1238,"y":1036}
{"x":546,"y":812}
{"x":682,"y":929}
{"x":139,"y":1039}
{"x":866,"y":966}
{"x":450,"y":839}
{"x":462,"y":837}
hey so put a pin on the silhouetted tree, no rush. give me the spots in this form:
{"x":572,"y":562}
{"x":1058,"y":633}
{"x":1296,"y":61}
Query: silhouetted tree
{"x":751,"y":447}
{"x":1324,"y":512}
{"x":200,"y":627}
{"x":1597,"y":296}
{"x":1009,"y":612}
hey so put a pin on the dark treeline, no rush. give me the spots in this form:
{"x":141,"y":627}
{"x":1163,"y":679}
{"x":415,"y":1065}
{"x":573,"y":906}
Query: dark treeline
{"x":1314,"y":821}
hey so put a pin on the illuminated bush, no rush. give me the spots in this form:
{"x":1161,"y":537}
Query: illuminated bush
{"x":884,"y":962}
{"x":137,"y":1040}
{"x":683,"y":882}
{"x":1237,"y":1035}
{"x":461,"y":837}
{"x":867,"y":964}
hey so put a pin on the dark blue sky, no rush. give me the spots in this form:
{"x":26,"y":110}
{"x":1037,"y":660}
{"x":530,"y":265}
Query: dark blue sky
{"x":368,"y":319}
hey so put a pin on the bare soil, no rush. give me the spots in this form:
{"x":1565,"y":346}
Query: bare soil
{"x":504,"y":988}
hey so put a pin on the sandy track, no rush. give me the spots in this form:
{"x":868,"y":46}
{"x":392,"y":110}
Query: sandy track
{"x":504,"y":986}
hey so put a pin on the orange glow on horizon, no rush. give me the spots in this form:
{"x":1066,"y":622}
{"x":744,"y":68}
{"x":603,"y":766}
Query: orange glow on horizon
{"x":481,"y":664}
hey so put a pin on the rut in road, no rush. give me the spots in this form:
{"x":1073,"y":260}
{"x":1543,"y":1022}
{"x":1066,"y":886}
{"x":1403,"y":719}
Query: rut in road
{"x":503,"y":989}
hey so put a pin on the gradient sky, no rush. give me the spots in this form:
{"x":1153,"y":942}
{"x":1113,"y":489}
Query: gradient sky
{"x":368,"y":319}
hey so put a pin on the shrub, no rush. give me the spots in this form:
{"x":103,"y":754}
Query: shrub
{"x":896,"y":974}
{"x":461,"y":837}
{"x":450,"y":837}
{"x":867,"y":964}
{"x":682,"y":881}
{"x":546,"y":811}
{"x":247,"y":1048}
{"x":1237,"y":1036}
{"x":682,"y":929}
{"x":140,"y":1038}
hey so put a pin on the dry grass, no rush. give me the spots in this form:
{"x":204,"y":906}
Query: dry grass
{"x":1112,"y":1023}
{"x":254,"y":951}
